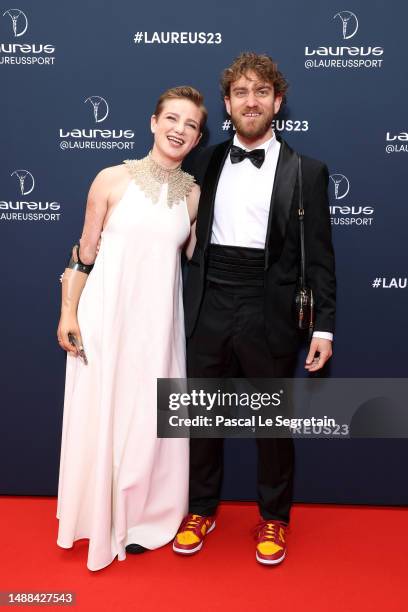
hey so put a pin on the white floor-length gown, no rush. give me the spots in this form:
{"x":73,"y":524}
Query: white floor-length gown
{"x":118,"y":483}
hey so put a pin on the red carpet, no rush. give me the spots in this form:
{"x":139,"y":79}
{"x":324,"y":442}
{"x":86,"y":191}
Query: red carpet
{"x":340,"y":558}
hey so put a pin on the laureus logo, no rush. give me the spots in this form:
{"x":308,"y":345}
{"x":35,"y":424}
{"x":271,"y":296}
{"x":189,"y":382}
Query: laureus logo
{"x":349,"y":23}
{"x":26,"y":181}
{"x":96,"y":137}
{"x":341,"y":185}
{"x":19,"y":21}
{"x":346,"y":54}
{"x":16,"y":51}
{"x":100,"y":108}
{"x":351,"y":215}
{"x":23,"y":208}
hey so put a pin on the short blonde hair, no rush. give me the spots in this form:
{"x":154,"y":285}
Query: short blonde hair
{"x":187,"y":92}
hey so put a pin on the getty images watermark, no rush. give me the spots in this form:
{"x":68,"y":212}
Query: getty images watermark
{"x":221,"y":402}
{"x":338,"y":408}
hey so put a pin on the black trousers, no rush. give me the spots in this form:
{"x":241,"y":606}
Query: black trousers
{"x":229,"y":341}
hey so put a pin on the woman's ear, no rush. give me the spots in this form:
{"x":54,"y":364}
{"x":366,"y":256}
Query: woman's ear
{"x":153,"y":123}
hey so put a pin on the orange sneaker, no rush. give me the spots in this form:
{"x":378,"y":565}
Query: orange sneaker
{"x":191,"y":534}
{"x":270,"y":542}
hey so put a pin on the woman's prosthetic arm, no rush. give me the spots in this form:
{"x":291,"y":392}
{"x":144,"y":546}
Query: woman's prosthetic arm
{"x":79,"y":266}
{"x":73,"y":281}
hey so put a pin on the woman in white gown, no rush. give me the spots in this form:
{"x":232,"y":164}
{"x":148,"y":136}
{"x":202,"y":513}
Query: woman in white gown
{"x":120,"y":486}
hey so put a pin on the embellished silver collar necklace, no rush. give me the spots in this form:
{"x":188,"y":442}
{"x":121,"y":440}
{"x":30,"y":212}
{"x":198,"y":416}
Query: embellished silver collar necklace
{"x":150,"y":176}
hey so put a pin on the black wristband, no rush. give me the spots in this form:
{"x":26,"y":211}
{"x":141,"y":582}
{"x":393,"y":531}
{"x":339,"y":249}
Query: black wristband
{"x":79,"y":265}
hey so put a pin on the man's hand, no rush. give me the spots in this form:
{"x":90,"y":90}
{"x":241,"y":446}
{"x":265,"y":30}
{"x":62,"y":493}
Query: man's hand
{"x":322,"y":346}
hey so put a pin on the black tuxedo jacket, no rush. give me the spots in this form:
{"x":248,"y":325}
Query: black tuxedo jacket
{"x":282,"y":247}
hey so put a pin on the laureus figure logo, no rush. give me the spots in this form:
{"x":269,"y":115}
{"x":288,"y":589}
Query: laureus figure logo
{"x":100,"y":108}
{"x":341,"y":185}
{"x":19,"y":21}
{"x":349,"y":22}
{"x":26,"y":181}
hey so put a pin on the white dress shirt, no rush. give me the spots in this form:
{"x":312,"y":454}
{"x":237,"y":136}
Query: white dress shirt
{"x":243,"y":200}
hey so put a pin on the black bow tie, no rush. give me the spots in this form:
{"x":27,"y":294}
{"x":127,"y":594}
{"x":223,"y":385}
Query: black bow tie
{"x":257,"y":156}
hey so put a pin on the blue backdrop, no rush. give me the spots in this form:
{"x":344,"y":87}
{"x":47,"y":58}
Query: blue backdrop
{"x":79,"y":83}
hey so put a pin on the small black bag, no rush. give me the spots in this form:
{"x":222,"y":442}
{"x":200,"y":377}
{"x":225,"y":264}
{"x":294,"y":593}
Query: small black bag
{"x":304,"y":303}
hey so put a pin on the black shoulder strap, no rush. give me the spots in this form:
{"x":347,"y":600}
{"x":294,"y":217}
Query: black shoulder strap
{"x":301,"y":215}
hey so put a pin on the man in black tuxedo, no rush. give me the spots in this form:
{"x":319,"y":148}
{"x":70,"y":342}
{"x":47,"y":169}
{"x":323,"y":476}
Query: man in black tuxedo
{"x":241,"y":285}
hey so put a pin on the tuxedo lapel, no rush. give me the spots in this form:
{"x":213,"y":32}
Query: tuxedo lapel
{"x":209,"y":189}
{"x":281,"y":201}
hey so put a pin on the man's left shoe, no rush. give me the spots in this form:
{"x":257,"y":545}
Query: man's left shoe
{"x":270,"y":542}
{"x":135,"y":549}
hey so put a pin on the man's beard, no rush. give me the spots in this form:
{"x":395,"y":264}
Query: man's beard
{"x":257,"y":129}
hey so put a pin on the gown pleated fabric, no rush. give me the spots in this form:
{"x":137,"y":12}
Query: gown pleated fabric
{"x":118,"y":483}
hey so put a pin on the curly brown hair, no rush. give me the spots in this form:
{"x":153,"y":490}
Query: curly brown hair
{"x":262,"y":65}
{"x":187,"y":92}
